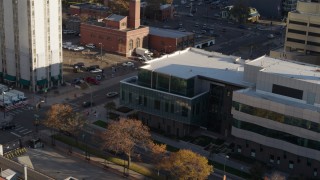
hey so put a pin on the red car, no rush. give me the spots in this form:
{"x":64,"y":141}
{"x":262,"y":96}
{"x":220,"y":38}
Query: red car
{"x":92,"y":80}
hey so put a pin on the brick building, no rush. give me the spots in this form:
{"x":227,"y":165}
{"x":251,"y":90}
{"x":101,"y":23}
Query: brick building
{"x":89,"y":10}
{"x":117,"y":34}
{"x":168,"y":41}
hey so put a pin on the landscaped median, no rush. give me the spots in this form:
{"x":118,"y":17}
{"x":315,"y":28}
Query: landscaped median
{"x":133,"y":166}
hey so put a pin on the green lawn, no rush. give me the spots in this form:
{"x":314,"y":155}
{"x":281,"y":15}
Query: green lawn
{"x":101,"y":123}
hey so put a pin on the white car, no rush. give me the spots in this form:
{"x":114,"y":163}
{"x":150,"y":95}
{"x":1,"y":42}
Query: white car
{"x":96,"y":71}
{"x":128,"y":64}
{"x":90,"y":45}
{"x":79,"y":48}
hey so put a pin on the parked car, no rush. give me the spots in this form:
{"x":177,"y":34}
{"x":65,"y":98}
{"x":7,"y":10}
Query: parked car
{"x":79,"y":48}
{"x":93,"y":67}
{"x":90,"y":45}
{"x":87,"y":104}
{"x":128,"y":64}
{"x":36,"y":143}
{"x":96,"y":71}
{"x":78,"y":65}
{"x":112,"y":94}
{"x":8,"y":126}
{"x":92,"y":80}
{"x":76,"y":81}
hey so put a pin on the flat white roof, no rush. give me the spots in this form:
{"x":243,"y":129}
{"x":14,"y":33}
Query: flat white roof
{"x":197,"y":62}
{"x":291,"y":69}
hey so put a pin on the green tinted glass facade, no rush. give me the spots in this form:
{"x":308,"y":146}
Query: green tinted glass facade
{"x":263,"y":113}
{"x":171,"y":106}
{"x":277,"y":134}
{"x":166,"y":83}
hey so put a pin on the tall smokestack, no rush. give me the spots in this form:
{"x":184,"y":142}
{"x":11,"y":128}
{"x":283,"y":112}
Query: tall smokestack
{"x":134,"y":14}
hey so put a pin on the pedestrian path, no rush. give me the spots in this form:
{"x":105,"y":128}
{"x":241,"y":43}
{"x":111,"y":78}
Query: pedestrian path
{"x":17,"y":111}
{"x":21,"y":131}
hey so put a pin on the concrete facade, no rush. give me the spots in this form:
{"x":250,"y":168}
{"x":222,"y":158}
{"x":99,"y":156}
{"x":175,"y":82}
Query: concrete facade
{"x":30,"y":51}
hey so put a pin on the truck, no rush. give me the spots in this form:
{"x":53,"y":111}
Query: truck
{"x":143,"y":52}
{"x":3,"y":88}
{"x":20,"y":94}
{"x":5,"y":100}
{"x":12,"y":97}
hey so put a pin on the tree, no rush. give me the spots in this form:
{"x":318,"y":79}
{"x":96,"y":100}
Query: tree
{"x":186,"y":164}
{"x":158,"y":153}
{"x":122,"y":136}
{"x":240,"y":11}
{"x":61,"y":117}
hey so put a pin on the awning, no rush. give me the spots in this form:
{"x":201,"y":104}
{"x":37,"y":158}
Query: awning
{"x":24,"y":82}
{"x":10,"y":78}
{"x":42,"y":82}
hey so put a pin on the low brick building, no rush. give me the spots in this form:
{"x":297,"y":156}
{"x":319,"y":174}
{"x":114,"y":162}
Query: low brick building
{"x":168,"y":40}
{"x":89,"y":10}
{"x":117,"y":34}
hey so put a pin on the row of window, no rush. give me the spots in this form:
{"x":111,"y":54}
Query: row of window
{"x":277,"y":160}
{"x":303,"y":42}
{"x":281,"y":118}
{"x":304,"y":24}
{"x":299,"y":141}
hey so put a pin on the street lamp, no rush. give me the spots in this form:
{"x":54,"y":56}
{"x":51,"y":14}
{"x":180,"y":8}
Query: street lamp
{"x":224,"y":167}
{"x":100,"y":50}
{"x":4,"y":105}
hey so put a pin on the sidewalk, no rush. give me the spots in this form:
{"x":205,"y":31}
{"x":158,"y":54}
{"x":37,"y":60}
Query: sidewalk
{"x":96,"y":161}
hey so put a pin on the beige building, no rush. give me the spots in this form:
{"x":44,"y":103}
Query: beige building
{"x":302,"y":41}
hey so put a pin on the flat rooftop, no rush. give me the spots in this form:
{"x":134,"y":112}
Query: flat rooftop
{"x":90,"y":6}
{"x":290,"y":69}
{"x":168,"y":32}
{"x":197,"y":62}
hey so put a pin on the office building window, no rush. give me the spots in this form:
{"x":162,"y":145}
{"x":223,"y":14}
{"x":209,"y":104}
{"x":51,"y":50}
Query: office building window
{"x":297,"y":31}
{"x":123,"y":95}
{"x":314,"y":25}
{"x":296,"y":40}
{"x":130,"y":97}
{"x":166,"y":107}
{"x":157,"y":104}
{"x":172,"y":108}
{"x":313,"y":43}
{"x":145,"y":100}
{"x":140,"y":100}
{"x":271,"y":158}
{"x":239,"y":149}
{"x":291,"y":164}
{"x":253,"y":153}
{"x":297,"y":22}
{"x":314,"y":34}
{"x":184,"y":111}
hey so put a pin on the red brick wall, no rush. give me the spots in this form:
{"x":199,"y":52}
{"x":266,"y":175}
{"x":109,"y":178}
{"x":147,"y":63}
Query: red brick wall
{"x":162,"y":44}
{"x":113,"y":40}
{"x":134,"y":14}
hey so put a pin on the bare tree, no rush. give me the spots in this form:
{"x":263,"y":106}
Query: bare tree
{"x":122,"y":136}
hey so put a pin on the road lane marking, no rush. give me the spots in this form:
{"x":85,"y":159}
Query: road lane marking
{"x":23,"y":130}
{"x":15,"y":134}
{"x":27,"y":132}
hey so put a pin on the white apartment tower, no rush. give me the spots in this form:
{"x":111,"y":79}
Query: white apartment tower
{"x":30,"y":43}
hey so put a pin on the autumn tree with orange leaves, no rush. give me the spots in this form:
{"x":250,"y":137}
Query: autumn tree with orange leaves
{"x":122,"y":136}
{"x":186,"y":164}
{"x":158,"y":152}
{"x":62,"y":117}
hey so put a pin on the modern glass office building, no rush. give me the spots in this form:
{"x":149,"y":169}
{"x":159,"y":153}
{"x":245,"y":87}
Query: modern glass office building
{"x":185,"y":91}
{"x":278,"y":121}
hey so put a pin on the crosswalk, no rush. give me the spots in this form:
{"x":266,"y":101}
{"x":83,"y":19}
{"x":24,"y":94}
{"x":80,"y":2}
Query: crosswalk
{"x":21,"y":131}
{"x":17,"y":111}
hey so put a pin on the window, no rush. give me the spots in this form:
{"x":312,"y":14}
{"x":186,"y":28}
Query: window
{"x":261,"y":148}
{"x":278,"y":160}
{"x":298,"y":160}
{"x":290,"y":164}
{"x":184,"y":111}
{"x":313,"y":43}
{"x":122,"y":95}
{"x":298,"y":23}
{"x":130,"y":44}
{"x":130,"y":97}
{"x":296,"y":40}
{"x":308,"y":162}
{"x":238,"y":148}
{"x":247,"y":144}
{"x":271,"y":158}
{"x":138,"y":42}
{"x":315,"y":172}
{"x":172,"y":108}
{"x":157,"y":104}
{"x":314,"y":34}
{"x":253,"y":153}
{"x":287,"y":91}
{"x":145,"y":100}
{"x":166,"y":107}
{"x":140,"y":100}
{"x":314,"y":25}
{"x":297,"y":31}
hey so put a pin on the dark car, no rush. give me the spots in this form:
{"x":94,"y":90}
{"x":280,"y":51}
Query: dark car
{"x":87,"y":104}
{"x":8,"y":126}
{"x":78,"y":65}
{"x":93,"y":67}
